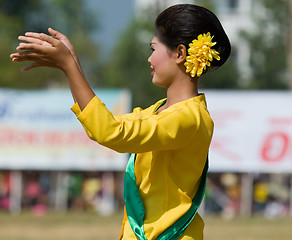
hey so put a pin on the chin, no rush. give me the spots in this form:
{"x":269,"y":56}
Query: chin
{"x":159,"y":84}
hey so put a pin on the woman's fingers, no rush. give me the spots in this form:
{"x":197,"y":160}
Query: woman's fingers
{"x":18,"y":55}
{"x":49,"y":39}
{"x":53,"y":32}
{"x":56,"y":34}
{"x":33,"y":34}
{"x":30,"y":39}
{"x":42,"y":37}
{"x":34,"y":40}
{"x":62,"y":38}
{"x":29,"y":46}
{"x":37,"y":59}
{"x":39,"y":37}
{"x":25,"y":56}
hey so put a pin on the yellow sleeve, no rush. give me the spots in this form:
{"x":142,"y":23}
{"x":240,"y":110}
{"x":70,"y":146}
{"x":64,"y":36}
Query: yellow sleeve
{"x":76,"y":110}
{"x":138,"y":132}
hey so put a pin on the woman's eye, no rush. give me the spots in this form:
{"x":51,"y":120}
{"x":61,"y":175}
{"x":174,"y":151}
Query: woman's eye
{"x":152,"y":49}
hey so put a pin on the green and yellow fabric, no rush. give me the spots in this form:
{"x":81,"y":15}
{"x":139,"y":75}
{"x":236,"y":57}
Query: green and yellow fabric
{"x":136,"y":211}
{"x":170,"y":151}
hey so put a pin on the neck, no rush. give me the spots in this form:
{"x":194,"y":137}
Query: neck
{"x":181,"y":90}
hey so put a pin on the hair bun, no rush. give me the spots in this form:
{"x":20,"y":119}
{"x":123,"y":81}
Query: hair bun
{"x":182,"y":23}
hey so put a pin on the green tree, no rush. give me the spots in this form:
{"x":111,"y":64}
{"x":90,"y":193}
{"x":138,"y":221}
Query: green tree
{"x":224,"y":77}
{"x":70,"y":17}
{"x":268,"y":44}
{"x":128,"y":66}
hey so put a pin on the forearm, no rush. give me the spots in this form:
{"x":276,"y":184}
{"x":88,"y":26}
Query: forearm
{"x":77,"y":62}
{"x":80,"y":88}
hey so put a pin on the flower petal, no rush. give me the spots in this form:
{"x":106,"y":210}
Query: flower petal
{"x":200,"y":54}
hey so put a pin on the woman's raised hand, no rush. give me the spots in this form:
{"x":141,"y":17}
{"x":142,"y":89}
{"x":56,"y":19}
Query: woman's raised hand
{"x":55,"y":51}
{"x":52,"y":51}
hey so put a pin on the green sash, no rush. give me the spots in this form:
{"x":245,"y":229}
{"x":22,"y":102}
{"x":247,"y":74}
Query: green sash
{"x":136,"y":212}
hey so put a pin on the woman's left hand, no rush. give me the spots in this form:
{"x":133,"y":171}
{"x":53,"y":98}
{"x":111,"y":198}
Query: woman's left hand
{"x":43,"y":50}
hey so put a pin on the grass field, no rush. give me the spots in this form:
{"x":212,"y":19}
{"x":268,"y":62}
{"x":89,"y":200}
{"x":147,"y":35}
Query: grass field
{"x":85,"y":226}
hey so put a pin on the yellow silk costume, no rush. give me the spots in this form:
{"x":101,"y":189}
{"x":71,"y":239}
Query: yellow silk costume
{"x":171,"y":148}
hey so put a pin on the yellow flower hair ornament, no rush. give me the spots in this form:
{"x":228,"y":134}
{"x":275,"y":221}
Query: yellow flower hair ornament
{"x":200,"y":55}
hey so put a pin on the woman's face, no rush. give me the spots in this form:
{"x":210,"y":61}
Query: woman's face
{"x":163,"y":63}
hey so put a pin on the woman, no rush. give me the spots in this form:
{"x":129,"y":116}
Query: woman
{"x":169,"y":141}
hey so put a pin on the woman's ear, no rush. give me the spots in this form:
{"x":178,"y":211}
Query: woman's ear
{"x":181,"y":53}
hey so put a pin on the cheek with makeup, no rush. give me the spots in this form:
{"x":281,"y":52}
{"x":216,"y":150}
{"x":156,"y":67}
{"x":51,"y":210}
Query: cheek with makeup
{"x":162,"y":64}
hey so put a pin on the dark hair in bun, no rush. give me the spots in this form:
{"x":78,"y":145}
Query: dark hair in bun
{"x":182,"y":23}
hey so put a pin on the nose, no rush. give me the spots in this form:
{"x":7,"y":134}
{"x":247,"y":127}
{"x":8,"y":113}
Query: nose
{"x":149,"y":59}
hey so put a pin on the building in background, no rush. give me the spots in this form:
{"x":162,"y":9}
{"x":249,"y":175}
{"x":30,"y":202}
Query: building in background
{"x":236,"y":15}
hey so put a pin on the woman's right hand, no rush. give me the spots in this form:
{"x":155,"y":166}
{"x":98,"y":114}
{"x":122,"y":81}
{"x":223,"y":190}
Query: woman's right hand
{"x":55,"y":51}
{"x":52,"y":51}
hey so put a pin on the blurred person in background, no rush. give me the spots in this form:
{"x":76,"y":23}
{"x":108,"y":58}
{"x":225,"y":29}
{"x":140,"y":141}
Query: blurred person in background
{"x":260,"y":196}
{"x":169,"y":141}
{"x":4,"y":190}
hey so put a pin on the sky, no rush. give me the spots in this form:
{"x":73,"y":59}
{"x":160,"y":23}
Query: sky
{"x":114,"y":17}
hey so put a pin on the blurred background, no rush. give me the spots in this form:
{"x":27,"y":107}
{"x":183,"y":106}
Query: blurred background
{"x":51,"y":172}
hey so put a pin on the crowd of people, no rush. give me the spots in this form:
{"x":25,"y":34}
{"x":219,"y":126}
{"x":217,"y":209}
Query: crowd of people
{"x":270,"y":194}
{"x":87,"y":191}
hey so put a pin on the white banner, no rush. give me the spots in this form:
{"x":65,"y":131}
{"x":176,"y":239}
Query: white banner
{"x":253,"y":131}
{"x":39,"y":131}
